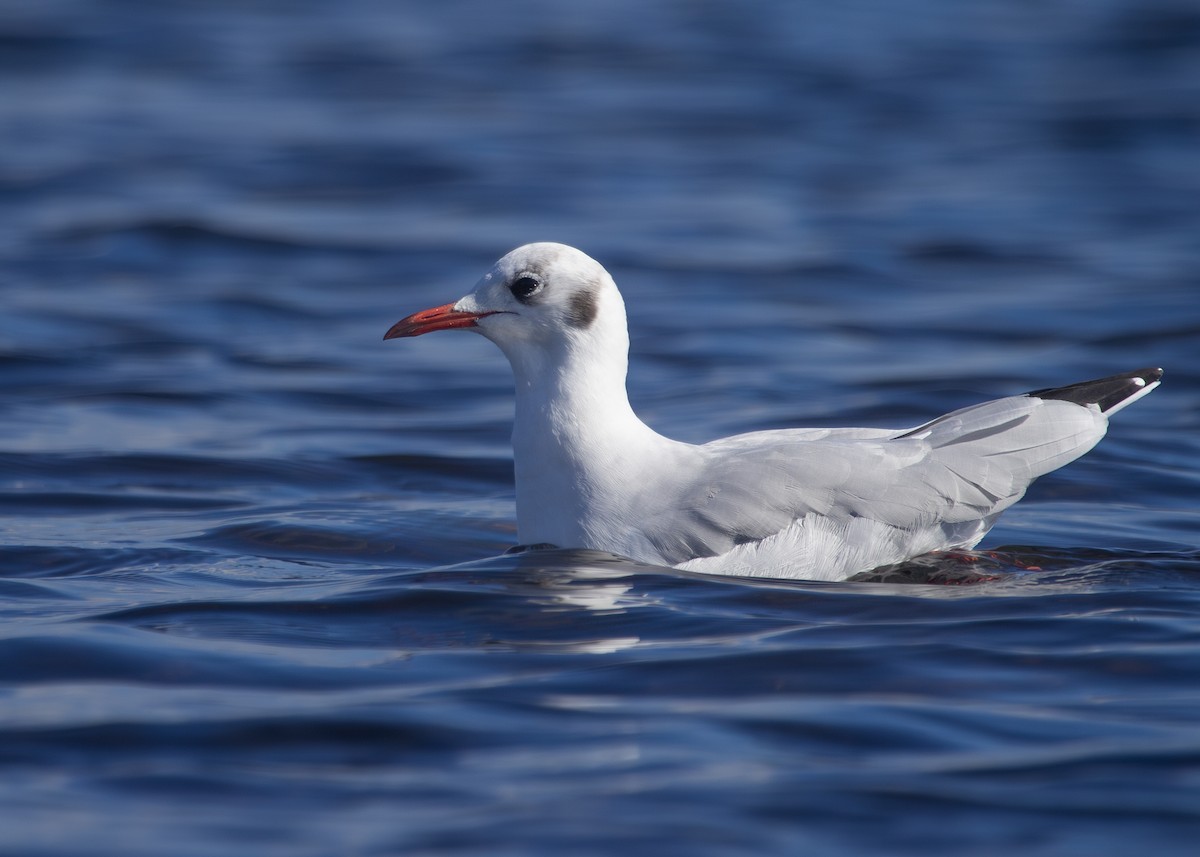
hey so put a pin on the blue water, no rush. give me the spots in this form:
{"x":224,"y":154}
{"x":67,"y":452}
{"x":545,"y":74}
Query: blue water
{"x":251,"y":591}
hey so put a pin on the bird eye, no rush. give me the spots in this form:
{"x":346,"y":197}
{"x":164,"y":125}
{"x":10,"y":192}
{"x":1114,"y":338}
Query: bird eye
{"x":525,"y":286}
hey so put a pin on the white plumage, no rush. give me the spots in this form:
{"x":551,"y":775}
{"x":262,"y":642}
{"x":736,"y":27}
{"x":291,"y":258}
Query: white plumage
{"x":812,"y":503}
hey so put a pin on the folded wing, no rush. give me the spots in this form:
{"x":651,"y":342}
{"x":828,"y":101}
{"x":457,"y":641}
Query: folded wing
{"x":953,"y":475}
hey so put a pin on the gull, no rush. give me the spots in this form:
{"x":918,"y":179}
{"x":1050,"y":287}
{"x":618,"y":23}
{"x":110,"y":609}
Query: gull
{"x":817,"y":504}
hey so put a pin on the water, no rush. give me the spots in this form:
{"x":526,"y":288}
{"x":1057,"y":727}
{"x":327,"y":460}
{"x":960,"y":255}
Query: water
{"x":251,"y":597}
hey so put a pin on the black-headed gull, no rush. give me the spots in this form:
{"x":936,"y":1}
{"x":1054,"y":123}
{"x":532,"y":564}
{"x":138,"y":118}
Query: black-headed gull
{"x":818,"y":504}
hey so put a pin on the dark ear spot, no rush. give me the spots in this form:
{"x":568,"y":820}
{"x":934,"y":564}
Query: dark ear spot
{"x":582,"y":310}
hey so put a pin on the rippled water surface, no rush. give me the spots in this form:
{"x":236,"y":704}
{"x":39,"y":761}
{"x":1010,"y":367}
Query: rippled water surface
{"x":252,"y":596}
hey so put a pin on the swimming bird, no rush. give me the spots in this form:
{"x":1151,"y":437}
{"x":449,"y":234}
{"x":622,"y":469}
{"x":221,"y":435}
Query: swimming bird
{"x":819,"y":504}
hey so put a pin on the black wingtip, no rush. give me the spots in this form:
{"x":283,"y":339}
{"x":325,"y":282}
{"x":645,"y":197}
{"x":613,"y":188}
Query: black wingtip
{"x":1109,"y":394}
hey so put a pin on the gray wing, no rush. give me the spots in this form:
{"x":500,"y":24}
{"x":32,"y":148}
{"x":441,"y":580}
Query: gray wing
{"x":960,"y":469}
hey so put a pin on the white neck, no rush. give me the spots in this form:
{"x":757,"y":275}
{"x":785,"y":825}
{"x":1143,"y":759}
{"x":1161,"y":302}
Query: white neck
{"x":576,"y":440}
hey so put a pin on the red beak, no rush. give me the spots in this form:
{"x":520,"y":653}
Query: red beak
{"x":444,"y":317}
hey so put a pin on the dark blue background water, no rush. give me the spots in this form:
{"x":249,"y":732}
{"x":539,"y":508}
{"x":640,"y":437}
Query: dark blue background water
{"x":227,"y":504}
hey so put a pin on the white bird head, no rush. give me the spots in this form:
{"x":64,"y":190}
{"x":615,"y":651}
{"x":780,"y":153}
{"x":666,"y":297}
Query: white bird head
{"x":541,"y":304}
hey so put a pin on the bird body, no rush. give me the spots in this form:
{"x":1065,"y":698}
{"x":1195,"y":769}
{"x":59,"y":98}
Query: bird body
{"x":803,"y":503}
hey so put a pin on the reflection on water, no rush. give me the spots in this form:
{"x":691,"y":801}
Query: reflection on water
{"x":587,"y":588}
